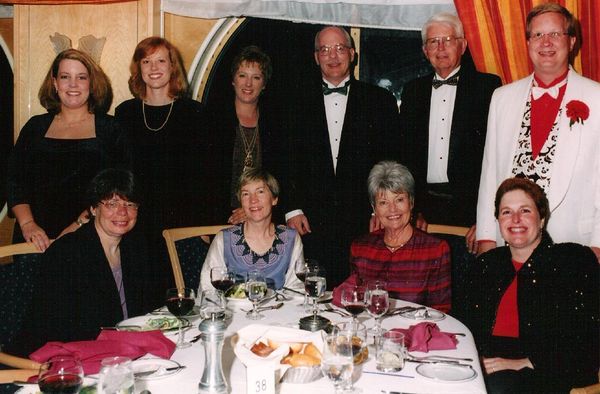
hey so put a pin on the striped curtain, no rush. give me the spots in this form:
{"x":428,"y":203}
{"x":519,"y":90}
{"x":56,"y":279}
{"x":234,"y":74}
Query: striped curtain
{"x":495,"y":30}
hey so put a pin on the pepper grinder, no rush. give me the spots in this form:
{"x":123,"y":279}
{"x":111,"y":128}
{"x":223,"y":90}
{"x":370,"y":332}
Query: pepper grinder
{"x":212,"y":333}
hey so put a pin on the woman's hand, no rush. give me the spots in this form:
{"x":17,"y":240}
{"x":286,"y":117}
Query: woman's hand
{"x":34,"y":233}
{"x":237,"y":216}
{"x":497,"y":364}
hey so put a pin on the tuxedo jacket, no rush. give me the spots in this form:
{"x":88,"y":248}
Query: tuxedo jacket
{"x":467,"y":138}
{"x":574,"y":191}
{"x":336,"y":202}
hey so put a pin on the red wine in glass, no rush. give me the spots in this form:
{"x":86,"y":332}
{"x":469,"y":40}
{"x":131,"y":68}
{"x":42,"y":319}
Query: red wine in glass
{"x":301,"y":276}
{"x":180,"y":306}
{"x":355,"y":309}
{"x":223,"y":284}
{"x":61,"y":384}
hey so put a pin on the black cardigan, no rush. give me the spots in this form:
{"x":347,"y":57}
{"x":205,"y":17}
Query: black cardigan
{"x":76,"y":293}
{"x":558,"y":301}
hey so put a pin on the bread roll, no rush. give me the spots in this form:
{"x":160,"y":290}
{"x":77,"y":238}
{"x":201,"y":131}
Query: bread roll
{"x":303,"y":360}
{"x":312,"y":350}
{"x":273,"y":344}
{"x":296,"y":347}
{"x":261,"y":350}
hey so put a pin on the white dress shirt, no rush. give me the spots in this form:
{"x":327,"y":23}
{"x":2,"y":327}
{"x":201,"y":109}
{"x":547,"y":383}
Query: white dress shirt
{"x":440,"y":124}
{"x":335,"y":110}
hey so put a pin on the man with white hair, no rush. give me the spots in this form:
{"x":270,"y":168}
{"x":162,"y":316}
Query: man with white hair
{"x":443,"y":120}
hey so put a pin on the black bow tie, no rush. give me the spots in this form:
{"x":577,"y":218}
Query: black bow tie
{"x":453,"y":80}
{"x":340,"y":89}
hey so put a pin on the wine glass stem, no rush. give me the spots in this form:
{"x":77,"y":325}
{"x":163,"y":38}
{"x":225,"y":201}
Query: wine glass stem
{"x":254,"y":311}
{"x":180,"y":340}
{"x":315,"y":308}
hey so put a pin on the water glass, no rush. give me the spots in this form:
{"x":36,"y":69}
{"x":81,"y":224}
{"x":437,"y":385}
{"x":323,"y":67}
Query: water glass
{"x":391,"y":352}
{"x":256,"y":289}
{"x":60,"y":374}
{"x":212,"y":302}
{"x":116,"y":376}
{"x":337,"y":363}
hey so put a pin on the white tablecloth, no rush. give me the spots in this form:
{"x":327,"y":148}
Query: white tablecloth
{"x":186,"y":381}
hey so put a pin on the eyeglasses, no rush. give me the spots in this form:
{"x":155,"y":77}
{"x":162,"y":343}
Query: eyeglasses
{"x":325,"y":50}
{"x":552,"y":36}
{"x":113,"y":205}
{"x":435,"y":42}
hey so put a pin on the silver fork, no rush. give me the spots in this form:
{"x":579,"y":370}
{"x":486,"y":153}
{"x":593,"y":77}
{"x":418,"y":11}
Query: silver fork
{"x":329,"y":308}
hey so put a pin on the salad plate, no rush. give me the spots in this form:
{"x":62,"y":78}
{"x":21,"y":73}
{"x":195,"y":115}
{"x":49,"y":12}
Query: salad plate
{"x":424,"y":314}
{"x":149,"y":323}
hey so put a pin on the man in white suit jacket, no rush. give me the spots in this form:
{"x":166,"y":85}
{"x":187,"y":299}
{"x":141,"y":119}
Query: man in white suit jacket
{"x":567,"y":165}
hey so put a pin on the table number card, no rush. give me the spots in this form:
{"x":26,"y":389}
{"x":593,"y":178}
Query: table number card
{"x":261,"y":379}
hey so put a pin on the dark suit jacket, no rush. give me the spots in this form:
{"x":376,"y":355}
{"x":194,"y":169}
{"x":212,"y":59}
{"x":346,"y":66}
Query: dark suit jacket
{"x":336,"y":203}
{"x":76,"y":293}
{"x":467,"y":139}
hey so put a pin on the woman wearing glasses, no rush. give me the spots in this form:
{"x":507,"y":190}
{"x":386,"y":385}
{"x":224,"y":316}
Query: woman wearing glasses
{"x":94,"y":277}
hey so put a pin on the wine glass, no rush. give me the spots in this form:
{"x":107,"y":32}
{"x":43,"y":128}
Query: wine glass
{"x":60,"y":374}
{"x":301,"y":267}
{"x":337,"y":363}
{"x":212,"y":301}
{"x":256,"y":289}
{"x":315,"y":285}
{"x":377,"y":304}
{"x":180,"y":302}
{"x":353,"y":300}
{"x":222,"y":278}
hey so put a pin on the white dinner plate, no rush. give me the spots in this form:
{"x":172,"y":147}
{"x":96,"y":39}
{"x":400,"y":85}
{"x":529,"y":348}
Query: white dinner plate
{"x":149,"y":323}
{"x":432,"y":315}
{"x":163,"y":311}
{"x":447,"y":372}
{"x":159,"y":365}
{"x":244,"y":302}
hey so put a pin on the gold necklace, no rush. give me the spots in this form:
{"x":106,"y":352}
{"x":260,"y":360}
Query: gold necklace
{"x":164,"y":123}
{"x":248,"y":146}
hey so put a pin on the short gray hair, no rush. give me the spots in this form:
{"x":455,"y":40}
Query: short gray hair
{"x":445,"y":18}
{"x":341,"y":29}
{"x":392,"y":176}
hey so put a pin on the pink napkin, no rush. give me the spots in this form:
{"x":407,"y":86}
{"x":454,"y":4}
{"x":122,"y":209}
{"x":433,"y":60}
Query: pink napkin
{"x":108,"y":344}
{"x":424,"y":337}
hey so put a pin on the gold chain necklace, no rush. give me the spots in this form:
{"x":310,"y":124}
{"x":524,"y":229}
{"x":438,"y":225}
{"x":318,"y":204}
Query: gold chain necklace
{"x":164,"y":123}
{"x":248,"y":146}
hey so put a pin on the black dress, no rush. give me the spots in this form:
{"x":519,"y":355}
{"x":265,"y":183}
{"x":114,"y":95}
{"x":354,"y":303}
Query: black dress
{"x":76,"y":292}
{"x":51,"y":175}
{"x":169,"y":165}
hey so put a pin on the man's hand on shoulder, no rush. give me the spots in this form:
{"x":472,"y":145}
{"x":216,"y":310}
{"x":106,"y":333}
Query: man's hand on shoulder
{"x":596,"y":251}
{"x":299,"y":223}
{"x":484,"y":246}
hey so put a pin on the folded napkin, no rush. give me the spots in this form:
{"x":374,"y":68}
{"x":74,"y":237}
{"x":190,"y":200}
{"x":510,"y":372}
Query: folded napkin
{"x":425,"y":336}
{"x":108,"y":344}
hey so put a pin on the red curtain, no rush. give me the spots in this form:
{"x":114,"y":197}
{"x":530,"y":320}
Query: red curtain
{"x":495,"y":31}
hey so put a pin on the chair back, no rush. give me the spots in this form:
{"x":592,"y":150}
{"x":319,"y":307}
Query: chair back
{"x":173,"y":235}
{"x":445,"y":229}
{"x":21,"y":248}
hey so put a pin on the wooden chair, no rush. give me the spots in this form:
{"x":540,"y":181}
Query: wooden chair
{"x":173,"y":235}
{"x":21,"y":248}
{"x":461,"y":263}
{"x":444,"y":229}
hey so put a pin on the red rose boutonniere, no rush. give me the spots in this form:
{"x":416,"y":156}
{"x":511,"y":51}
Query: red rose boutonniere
{"x":577,"y":111}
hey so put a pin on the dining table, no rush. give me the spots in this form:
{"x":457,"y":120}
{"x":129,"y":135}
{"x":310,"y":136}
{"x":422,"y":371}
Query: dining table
{"x":368,"y":380}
